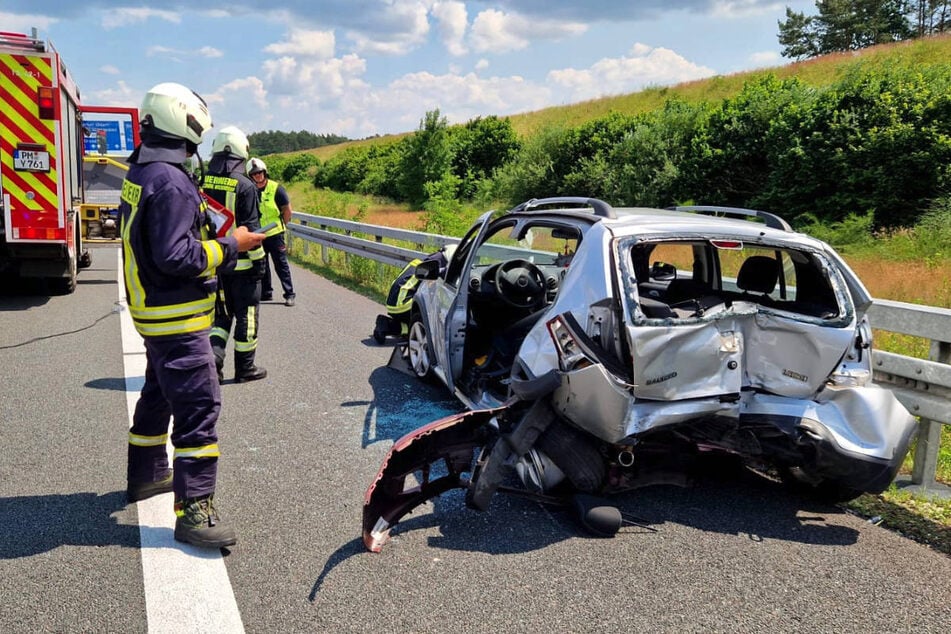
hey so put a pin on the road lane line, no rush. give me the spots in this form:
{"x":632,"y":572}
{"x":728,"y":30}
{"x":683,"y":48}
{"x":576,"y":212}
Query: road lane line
{"x":186,"y":588}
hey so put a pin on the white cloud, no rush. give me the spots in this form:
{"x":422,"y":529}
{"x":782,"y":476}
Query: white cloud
{"x":305,"y":43}
{"x":452,"y":21}
{"x":644,"y":66}
{"x":731,"y":9}
{"x":482,"y":64}
{"x":500,"y":32}
{"x":458,"y":97}
{"x":315,"y":81}
{"x":120,"y":95}
{"x":411,"y":20}
{"x":210,"y":52}
{"x":109,"y":69}
{"x":114,"y":18}
{"x":25,"y":23}
{"x":182,"y":55}
{"x":765,"y":58}
{"x":250,"y":88}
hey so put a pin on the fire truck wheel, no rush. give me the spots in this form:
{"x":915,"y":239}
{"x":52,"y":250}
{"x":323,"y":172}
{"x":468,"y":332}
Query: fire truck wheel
{"x":65,"y":285}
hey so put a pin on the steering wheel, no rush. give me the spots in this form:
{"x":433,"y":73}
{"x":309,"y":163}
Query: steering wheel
{"x":520,"y":284}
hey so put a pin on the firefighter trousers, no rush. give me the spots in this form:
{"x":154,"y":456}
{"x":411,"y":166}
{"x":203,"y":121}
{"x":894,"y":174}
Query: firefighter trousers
{"x":240,"y":307}
{"x":181,"y":388}
{"x":275,"y":248}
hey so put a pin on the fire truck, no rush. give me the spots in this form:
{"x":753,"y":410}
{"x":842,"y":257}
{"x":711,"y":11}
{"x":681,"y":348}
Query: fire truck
{"x":46,"y":138}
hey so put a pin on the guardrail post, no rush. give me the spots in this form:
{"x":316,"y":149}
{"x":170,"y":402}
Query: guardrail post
{"x":379,"y":265}
{"x":346,"y":255}
{"x":306,"y":242}
{"x":324,"y":256}
{"x":925,"y":465}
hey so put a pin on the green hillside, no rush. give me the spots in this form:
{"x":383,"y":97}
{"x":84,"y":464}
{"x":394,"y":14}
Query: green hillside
{"x":819,"y":71}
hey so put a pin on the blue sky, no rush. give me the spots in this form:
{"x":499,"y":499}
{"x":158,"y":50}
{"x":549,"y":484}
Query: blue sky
{"x":364,"y":67}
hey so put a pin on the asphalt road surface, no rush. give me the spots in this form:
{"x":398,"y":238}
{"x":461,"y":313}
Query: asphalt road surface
{"x":732,"y":553}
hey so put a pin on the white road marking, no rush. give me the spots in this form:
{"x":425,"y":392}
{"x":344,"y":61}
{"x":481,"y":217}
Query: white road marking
{"x":186,"y":588}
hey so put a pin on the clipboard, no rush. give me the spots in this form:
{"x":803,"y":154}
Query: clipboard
{"x":221,"y":215}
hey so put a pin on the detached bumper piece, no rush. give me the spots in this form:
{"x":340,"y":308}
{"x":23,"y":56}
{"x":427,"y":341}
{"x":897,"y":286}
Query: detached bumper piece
{"x":421,"y":466}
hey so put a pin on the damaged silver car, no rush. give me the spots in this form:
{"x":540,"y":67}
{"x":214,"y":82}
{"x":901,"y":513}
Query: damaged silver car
{"x":600,"y":349}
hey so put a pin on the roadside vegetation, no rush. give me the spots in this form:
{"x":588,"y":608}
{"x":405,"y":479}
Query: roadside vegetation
{"x":854,"y":148}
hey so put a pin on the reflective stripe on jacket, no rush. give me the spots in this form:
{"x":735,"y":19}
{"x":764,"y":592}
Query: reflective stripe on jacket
{"x":169,"y":260}
{"x":400,"y":298}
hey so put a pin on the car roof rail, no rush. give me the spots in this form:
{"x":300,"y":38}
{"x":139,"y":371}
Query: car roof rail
{"x":600,"y":207}
{"x":770,"y":219}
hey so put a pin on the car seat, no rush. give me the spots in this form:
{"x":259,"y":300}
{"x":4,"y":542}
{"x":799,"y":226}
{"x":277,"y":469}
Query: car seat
{"x":758,"y":275}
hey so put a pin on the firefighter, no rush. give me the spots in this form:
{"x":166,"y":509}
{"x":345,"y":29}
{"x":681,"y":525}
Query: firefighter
{"x":170,"y":259}
{"x":240,"y":294}
{"x":275,"y":208}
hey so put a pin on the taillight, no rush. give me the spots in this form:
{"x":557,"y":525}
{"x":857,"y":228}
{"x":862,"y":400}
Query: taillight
{"x":44,"y":99}
{"x":40,"y":233}
{"x":570,"y":354}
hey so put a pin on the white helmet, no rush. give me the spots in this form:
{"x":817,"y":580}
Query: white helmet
{"x":232,"y":140}
{"x":175,"y":111}
{"x":256,"y":165}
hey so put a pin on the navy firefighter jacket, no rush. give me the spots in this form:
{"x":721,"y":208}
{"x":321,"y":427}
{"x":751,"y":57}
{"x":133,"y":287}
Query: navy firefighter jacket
{"x":226,"y":183}
{"x":170,"y":257}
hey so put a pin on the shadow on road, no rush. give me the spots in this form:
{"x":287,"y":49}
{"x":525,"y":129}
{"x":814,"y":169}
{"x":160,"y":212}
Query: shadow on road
{"x":737,"y":502}
{"x":34,"y":524}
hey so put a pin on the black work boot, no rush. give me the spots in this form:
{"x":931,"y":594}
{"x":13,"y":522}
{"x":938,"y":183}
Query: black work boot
{"x":136,"y":491}
{"x":197,"y":523}
{"x":250,"y":374}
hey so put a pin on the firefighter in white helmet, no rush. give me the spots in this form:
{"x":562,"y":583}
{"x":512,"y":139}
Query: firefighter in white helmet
{"x":275,"y":210}
{"x":240,"y":299}
{"x":171,"y":255}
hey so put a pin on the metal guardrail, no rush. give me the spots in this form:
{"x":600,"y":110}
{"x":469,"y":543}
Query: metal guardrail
{"x":922,"y":386}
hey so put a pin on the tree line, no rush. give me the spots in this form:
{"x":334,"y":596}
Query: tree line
{"x":847,"y":25}
{"x":276,"y":141}
{"x":875,"y":143}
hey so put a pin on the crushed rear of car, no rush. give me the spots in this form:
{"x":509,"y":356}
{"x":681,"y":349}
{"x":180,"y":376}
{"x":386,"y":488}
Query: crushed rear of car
{"x":614,"y":347}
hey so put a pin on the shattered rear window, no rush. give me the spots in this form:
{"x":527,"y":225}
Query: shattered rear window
{"x":689,"y":279}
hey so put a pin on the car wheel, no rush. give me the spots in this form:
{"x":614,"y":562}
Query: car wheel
{"x":575,"y":454}
{"x":828,"y":490}
{"x":418,"y":350}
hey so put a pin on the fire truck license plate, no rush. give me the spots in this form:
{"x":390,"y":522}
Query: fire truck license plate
{"x":31,"y":161}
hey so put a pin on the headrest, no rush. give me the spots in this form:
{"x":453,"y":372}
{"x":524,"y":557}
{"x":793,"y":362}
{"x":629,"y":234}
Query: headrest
{"x":758,"y":274}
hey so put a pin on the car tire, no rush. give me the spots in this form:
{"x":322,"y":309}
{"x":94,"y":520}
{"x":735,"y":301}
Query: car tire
{"x":827,"y":490}
{"x":418,"y":351}
{"x":576,"y":454}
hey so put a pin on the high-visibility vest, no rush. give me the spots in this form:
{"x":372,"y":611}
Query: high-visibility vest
{"x":270,"y":212}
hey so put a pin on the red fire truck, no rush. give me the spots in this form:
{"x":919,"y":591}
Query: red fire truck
{"x":43,"y":140}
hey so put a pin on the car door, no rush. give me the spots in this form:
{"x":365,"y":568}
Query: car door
{"x":448,"y":314}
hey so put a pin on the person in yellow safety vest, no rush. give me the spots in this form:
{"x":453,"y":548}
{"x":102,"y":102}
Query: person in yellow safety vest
{"x":275,"y":209}
{"x":170,"y":257}
{"x":399,"y":300}
{"x":240,"y":300}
